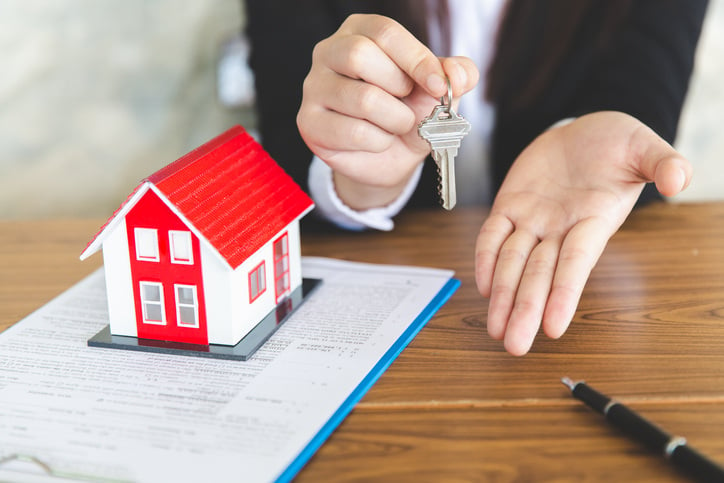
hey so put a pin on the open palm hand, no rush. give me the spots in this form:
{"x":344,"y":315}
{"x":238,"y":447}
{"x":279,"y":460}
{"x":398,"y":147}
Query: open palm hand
{"x":564,"y":197}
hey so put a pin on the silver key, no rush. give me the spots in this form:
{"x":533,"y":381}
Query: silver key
{"x":443,"y":129}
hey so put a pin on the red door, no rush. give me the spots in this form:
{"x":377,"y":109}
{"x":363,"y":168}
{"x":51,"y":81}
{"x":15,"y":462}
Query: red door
{"x":281,"y":266}
{"x":166,"y":273}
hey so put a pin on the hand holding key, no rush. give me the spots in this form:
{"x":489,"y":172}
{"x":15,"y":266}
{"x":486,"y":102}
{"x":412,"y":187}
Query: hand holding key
{"x":369,"y":85}
{"x":565,"y":195}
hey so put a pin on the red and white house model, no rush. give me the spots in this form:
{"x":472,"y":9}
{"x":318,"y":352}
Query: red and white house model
{"x":205,"y":248}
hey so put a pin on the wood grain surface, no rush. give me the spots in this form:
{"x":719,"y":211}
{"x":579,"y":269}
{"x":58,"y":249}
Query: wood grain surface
{"x":454,"y":406}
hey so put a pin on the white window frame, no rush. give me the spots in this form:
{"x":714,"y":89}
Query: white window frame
{"x":155,"y":302}
{"x":282,"y":284}
{"x":172,"y":239}
{"x":142,"y":235}
{"x":255,"y":290}
{"x":282,"y":281}
{"x":194,"y":305}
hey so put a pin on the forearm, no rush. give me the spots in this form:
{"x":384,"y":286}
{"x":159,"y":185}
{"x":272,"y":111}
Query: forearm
{"x":332,"y":208}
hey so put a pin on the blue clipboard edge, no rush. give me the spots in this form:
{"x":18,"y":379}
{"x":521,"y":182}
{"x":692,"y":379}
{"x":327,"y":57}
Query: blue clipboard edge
{"x":385,"y":361}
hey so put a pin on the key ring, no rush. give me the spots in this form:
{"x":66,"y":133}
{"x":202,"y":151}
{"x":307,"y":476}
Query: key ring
{"x":448,"y":106}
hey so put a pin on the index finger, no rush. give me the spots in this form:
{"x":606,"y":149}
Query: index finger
{"x":410,"y":55}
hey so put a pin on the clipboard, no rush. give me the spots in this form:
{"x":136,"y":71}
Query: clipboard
{"x":22,"y":465}
{"x":372,"y":377}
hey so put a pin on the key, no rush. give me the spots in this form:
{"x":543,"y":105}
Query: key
{"x":443,"y":129}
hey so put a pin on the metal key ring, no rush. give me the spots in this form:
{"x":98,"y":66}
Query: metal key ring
{"x":448,"y":106}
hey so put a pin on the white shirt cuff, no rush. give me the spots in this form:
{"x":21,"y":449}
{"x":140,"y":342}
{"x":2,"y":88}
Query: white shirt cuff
{"x":331,"y":208}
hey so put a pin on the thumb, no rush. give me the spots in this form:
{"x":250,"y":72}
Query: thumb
{"x":672,"y":175}
{"x":462,"y":72}
{"x":661,"y":163}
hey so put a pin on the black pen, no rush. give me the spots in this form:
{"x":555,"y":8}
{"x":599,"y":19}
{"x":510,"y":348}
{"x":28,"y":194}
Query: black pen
{"x":674,"y":448}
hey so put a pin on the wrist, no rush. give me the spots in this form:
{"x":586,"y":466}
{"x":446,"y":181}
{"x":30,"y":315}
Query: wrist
{"x":360,"y":196}
{"x":331,"y":208}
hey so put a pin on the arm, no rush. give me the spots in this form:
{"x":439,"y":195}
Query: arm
{"x":369,"y":85}
{"x":564,"y":197}
{"x":279,"y":93}
{"x":282,"y":34}
{"x":573,"y":186}
{"x":643,"y":70}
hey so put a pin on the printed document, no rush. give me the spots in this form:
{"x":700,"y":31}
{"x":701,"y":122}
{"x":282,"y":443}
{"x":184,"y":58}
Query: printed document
{"x":73,"y":412}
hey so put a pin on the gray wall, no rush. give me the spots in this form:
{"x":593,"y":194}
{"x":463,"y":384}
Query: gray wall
{"x":97,"y":94}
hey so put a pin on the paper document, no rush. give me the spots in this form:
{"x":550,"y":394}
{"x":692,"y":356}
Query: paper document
{"x":69,"y":411}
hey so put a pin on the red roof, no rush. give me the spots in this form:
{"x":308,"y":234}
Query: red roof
{"x":232,"y":192}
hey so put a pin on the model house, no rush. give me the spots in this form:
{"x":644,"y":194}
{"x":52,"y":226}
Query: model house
{"x":205,"y":248}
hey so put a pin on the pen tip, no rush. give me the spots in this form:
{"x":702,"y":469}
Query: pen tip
{"x":568,"y":382}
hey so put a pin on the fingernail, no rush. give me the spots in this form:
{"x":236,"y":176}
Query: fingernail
{"x":682,"y":179}
{"x":462,"y":75}
{"x":436,"y":84}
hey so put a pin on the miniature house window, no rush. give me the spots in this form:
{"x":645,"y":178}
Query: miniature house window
{"x":281,"y":264}
{"x":152,"y":303}
{"x":146,"y":244}
{"x":187,"y":313}
{"x":257,"y":282}
{"x":180,"y":243}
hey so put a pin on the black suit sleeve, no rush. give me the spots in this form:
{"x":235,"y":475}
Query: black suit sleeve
{"x":282,"y":35}
{"x":644,"y":70}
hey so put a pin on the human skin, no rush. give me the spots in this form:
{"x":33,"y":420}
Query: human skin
{"x":565,"y":195}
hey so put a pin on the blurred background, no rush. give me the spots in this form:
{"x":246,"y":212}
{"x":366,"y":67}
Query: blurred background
{"x":97,"y":94}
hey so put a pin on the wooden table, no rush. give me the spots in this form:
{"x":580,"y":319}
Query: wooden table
{"x":454,"y":406}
